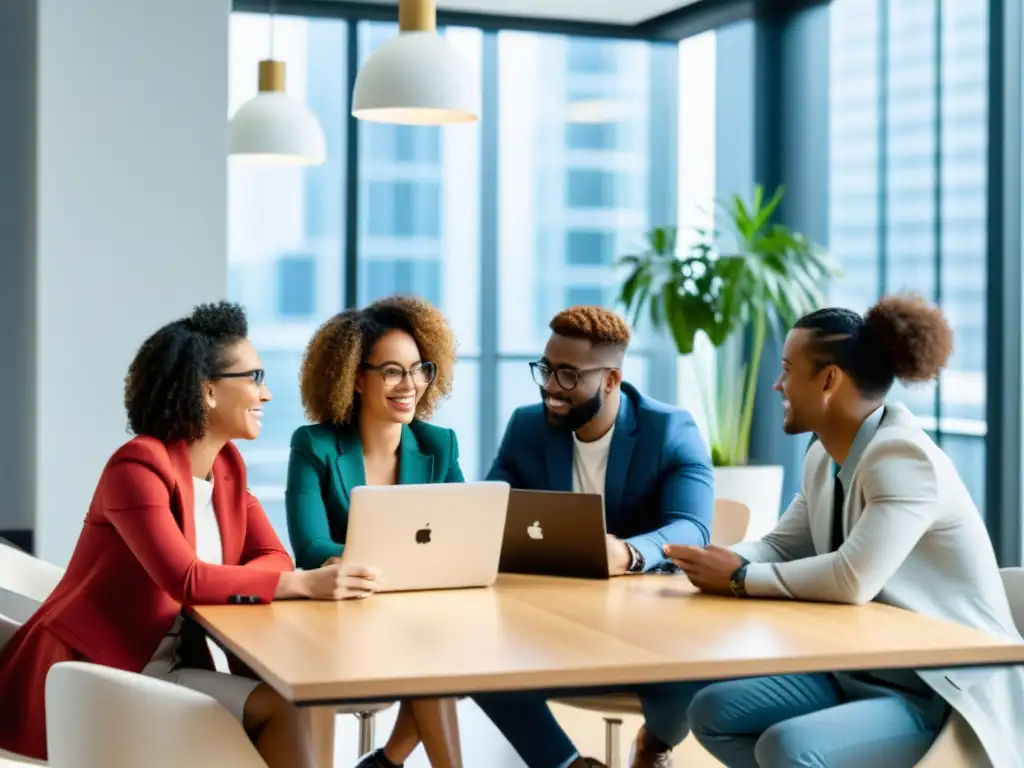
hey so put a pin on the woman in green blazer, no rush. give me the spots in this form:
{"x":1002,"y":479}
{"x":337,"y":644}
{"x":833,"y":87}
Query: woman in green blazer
{"x":369,"y":378}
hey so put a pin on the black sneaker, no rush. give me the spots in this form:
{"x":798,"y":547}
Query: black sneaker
{"x":377,"y":759}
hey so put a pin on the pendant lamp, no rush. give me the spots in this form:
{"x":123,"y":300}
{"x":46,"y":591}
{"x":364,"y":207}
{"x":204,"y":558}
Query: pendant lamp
{"x":273,"y":128}
{"x":416,"y":78}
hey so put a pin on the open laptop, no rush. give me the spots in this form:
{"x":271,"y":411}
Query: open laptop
{"x":433,"y":536}
{"x":554,"y":533}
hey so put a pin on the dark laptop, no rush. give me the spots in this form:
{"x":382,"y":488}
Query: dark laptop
{"x":554,"y":533}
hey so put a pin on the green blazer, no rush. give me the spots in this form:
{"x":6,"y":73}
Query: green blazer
{"x":326,"y":463}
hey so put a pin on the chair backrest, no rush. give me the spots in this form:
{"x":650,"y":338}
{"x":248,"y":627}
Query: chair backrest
{"x":27,"y":576}
{"x":100,"y":717}
{"x":732,"y":518}
{"x":1013,"y":581}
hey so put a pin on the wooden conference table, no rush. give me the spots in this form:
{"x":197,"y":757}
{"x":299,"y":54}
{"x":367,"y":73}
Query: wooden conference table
{"x":532,"y":632}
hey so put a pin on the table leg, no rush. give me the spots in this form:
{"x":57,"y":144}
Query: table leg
{"x":321,"y":726}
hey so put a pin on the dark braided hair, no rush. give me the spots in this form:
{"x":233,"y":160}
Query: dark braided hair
{"x":901,"y":337}
{"x":163,"y":392}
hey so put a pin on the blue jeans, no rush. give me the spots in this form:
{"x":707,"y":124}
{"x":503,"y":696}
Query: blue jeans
{"x":525,"y":719}
{"x":813,"y":721}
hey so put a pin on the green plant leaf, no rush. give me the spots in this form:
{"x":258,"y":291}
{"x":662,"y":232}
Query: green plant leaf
{"x":748,"y":273}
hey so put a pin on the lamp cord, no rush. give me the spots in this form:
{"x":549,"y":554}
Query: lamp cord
{"x":273,"y":17}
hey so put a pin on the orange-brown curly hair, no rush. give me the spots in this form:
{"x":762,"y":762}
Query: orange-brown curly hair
{"x":327,"y":379}
{"x":599,"y":326}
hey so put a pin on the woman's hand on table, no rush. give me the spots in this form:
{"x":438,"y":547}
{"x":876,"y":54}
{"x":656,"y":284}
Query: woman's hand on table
{"x":333,"y":581}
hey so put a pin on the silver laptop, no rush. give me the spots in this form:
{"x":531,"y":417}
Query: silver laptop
{"x":432,"y":536}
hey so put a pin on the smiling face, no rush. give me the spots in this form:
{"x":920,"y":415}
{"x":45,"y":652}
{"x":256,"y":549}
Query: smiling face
{"x":393,"y":379}
{"x":235,"y":398}
{"x":574,"y":377}
{"x":806,"y":387}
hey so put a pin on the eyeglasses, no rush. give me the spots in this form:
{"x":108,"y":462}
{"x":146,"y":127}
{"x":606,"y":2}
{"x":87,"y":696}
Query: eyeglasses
{"x":392,"y":374}
{"x":257,"y":375}
{"x":567,"y":378}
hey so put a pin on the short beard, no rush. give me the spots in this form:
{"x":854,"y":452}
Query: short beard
{"x":577,"y":416}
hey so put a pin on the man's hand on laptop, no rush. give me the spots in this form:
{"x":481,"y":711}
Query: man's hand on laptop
{"x":618,"y":556}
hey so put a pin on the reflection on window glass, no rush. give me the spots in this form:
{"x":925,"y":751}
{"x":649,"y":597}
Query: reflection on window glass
{"x":383,"y":277}
{"x":908,"y":185}
{"x":405,"y":209}
{"x":590,"y":136}
{"x":573,"y":143}
{"x":420,"y":204}
{"x":461,"y":412}
{"x":296,"y":286}
{"x":286,"y":230}
{"x":589,"y":247}
{"x":419,"y":232}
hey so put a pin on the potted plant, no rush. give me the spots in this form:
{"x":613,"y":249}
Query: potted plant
{"x":732,"y":287}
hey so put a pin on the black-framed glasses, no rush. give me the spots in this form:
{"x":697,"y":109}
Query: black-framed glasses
{"x":567,"y":378}
{"x":256,"y":375}
{"x":421,"y":374}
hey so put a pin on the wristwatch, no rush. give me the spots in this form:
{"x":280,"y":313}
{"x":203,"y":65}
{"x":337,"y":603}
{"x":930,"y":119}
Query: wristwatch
{"x":737,"y":582}
{"x":636,"y":560}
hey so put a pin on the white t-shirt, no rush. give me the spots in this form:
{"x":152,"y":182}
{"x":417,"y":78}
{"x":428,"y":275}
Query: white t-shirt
{"x":590,"y":463}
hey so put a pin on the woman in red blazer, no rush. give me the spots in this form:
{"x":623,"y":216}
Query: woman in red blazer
{"x":194,"y":386}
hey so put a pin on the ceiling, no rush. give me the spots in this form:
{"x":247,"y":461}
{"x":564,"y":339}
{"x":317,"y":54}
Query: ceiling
{"x":624,"y":12}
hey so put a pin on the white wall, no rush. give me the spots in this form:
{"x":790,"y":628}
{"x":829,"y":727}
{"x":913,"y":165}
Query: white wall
{"x":131,"y":223}
{"x":17,"y":265}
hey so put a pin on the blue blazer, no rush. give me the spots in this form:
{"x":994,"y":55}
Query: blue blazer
{"x":659,"y":487}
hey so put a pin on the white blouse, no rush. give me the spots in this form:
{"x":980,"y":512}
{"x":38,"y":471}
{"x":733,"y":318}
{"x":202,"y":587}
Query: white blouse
{"x":209,"y":550}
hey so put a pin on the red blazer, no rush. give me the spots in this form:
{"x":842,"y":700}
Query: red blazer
{"x":133,"y":569}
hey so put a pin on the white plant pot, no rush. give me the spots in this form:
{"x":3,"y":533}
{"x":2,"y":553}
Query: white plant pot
{"x":760,"y":488}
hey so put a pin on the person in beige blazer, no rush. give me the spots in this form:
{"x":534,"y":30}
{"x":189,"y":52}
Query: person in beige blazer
{"x":882,"y":515}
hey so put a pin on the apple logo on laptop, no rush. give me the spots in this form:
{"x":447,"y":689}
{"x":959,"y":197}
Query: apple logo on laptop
{"x":423,"y":535}
{"x":534,"y":531}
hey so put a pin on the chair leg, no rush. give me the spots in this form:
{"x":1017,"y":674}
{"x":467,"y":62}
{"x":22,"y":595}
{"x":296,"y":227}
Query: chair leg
{"x":612,"y":748}
{"x":367,"y":720}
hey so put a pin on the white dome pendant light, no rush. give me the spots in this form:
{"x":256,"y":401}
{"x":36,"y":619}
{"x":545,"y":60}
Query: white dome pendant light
{"x":272,"y":128}
{"x":416,"y":78}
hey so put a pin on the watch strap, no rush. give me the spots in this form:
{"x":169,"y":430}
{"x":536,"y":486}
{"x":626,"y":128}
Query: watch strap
{"x":636,"y":560}
{"x":737,"y":582}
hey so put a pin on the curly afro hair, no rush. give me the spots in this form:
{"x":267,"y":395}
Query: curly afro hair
{"x":902,"y":337}
{"x":600,"y":326}
{"x":163,"y":391}
{"x":346,"y":341}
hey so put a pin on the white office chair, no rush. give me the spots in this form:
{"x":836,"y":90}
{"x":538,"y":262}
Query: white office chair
{"x":100,"y":717}
{"x":956,"y":745}
{"x":729,"y":527}
{"x":9,"y":759}
{"x":365,"y":714}
{"x":1013,"y":581}
{"x":25,"y":581}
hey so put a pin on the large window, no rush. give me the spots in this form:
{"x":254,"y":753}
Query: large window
{"x":419,"y":228}
{"x":287,"y":230}
{"x":500,"y":223}
{"x":909,"y":127}
{"x":574,"y":156}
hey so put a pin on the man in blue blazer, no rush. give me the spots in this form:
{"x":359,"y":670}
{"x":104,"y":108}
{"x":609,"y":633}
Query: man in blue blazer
{"x":594,"y":433}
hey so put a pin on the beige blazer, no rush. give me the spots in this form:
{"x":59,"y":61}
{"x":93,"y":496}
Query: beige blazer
{"x":913,"y":539}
